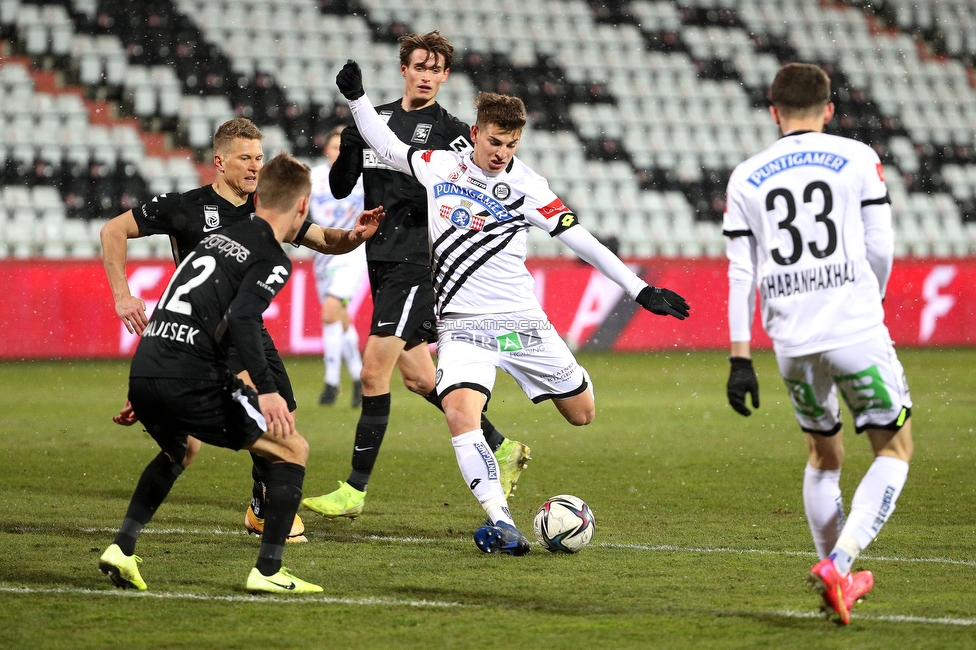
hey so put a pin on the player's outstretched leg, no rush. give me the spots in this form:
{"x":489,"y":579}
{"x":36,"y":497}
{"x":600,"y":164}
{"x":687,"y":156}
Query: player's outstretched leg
{"x":284,"y":488}
{"x":254,"y":517}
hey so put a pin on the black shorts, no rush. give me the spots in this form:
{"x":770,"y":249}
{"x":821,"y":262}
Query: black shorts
{"x":403,"y":302}
{"x":220,"y":414}
{"x":277,"y":366}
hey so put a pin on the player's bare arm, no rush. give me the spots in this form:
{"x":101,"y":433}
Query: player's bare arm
{"x":114,"y":236}
{"x":336,"y":241}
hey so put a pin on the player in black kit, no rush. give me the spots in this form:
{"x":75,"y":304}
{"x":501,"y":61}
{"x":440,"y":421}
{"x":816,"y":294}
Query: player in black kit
{"x":180,"y":381}
{"x":399,"y":268}
{"x":187,"y":218}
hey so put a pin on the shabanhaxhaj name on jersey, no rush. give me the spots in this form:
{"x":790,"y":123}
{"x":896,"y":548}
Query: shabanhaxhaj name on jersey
{"x":328,"y":211}
{"x":186,"y":336}
{"x":801,"y":199}
{"x":478,"y":229}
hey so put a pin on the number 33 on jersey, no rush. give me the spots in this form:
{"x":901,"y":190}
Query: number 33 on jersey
{"x":800,"y":201}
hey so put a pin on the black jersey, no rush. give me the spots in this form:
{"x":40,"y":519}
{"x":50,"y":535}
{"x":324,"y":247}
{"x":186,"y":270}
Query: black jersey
{"x":186,"y":218}
{"x":187,"y":336}
{"x":402,"y":233}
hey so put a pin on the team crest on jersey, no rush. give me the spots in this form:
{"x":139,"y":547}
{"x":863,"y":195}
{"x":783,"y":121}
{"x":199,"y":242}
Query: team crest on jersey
{"x":421,"y":133}
{"x":496,"y":209}
{"x":462,"y":217}
{"x":211,"y":217}
{"x":501,"y":191}
{"x":458,"y":172}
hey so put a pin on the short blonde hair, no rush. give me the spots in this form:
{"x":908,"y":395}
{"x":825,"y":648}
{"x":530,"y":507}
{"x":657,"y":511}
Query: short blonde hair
{"x":239,"y":127}
{"x":282,"y":182}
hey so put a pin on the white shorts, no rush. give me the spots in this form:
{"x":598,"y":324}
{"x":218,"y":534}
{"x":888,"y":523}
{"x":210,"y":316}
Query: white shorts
{"x":339,"y":276}
{"x":869,"y":376}
{"x":523,"y":344}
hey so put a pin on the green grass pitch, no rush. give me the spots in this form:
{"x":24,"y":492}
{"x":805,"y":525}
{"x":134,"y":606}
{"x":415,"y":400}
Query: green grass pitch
{"x":700,"y":541}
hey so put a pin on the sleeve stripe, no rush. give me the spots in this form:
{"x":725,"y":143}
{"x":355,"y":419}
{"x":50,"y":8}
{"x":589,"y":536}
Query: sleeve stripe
{"x":881,"y":201}
{"x":737,"y":233}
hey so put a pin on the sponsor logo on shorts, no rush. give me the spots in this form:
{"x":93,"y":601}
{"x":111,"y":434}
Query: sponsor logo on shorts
{"x":438,"y":377}
{"x":561,"y":375}
{"x":521,"y":343}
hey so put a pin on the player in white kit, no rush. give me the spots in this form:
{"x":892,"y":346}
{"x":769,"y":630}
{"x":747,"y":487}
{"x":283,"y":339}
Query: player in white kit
{"x":338,"y":278}
{"x":808,"y":223}
{"x":481,"y":204}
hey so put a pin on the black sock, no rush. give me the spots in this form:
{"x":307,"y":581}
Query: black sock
{"x":150,"y":492}
{"x":283,"y":494}
{"x":259,"y":470}
{"x":493,"y":436}
{"x":369,"y":437}
{"x":434,"y":399}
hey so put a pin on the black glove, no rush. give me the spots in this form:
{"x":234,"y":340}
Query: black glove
{"x":352,"y":138}
{"x":742,"y":380}
{"x":663,"y":302}
{"x":350,"y":80}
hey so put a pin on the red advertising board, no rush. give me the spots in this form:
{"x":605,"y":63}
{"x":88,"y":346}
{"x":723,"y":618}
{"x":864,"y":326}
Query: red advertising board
{"x":63,"y":309}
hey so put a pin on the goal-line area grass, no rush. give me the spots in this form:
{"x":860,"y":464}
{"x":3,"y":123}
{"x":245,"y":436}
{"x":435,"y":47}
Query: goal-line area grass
{"x":701,"y":538}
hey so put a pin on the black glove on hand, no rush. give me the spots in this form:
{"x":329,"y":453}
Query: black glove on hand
{"x":663,"y":302}
{"x":742,"y":380}
{"x":352,"y":138}
{"x":350,"y":80}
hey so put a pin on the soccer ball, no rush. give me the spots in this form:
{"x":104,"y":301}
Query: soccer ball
{"x":564,"y":524}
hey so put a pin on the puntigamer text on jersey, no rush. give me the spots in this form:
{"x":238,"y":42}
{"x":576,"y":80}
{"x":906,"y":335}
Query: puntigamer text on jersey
{"x":799,"y":159}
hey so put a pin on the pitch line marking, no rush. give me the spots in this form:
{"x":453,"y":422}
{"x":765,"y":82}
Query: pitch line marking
{"x":636,"y":547}
{"x":239,"y":598}
{"x":945,"y":620}
{"x":963,"y":622}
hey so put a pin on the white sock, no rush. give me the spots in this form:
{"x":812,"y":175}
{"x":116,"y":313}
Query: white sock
{"x":873,"y":503}
{"x":332,"y":341}
{"x":824,"y":507}
{"x":480,"y":472}
{"x":350,"y":352}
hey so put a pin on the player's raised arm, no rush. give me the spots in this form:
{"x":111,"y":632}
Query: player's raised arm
{"x":337,"y":241}
{"x":115,"y":236}
{"x":656,"y":300}
{"x":376,"y":133}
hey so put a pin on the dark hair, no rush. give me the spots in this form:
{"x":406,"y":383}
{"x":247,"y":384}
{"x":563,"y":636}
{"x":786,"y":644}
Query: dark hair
{"x":431,"y":42}
{"x":283,"y":181}
{"x":239,"y":127}
{"x":504,"y":111}
{"x":799,"y":88}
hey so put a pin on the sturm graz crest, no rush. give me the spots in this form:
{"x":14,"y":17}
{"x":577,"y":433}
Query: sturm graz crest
{"x":421,"y":133}
{"x":501,"y":191}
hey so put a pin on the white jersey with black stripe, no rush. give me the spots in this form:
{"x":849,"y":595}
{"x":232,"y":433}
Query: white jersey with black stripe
{"x":800,"y":201}
{"x":478,"y":229}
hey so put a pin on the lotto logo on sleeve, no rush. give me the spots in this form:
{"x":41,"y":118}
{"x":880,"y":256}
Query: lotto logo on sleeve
{"x":553,"y":209}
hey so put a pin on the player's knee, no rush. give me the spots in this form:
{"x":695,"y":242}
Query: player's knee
{"x":418,"y":385}
{"x":192,"y":449}
{"x":298,"y":448}
{"x":582,"y":417}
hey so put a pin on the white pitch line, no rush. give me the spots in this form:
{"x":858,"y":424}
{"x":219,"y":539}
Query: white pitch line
{"x":229,"y":598}
{"x":964,"y":622}
{"x":761,"y":551}
{"x":637,"y":547}
{"x":301,"y":600}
